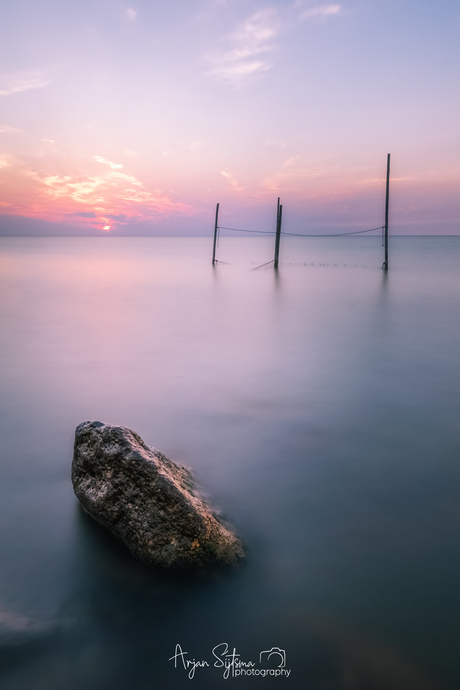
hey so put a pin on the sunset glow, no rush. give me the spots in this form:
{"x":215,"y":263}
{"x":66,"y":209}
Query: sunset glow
{"x":132,"y":121}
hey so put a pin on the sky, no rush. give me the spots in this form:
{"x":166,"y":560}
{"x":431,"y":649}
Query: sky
{"x":138,"y":117}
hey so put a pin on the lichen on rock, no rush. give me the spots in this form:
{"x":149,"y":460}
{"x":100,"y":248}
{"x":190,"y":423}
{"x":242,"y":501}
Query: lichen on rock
{"x":147,"y":501}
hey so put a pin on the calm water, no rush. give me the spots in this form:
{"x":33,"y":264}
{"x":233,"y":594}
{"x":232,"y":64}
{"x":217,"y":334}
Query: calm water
{"x":320,"y":409}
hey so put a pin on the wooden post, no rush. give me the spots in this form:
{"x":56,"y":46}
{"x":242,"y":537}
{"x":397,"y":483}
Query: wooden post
{"x":215,"y":236}
{"x":278,"y":233}
{"x":387,"y":201}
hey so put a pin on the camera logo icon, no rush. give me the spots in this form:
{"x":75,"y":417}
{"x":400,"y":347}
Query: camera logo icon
{"x":274,"y":651}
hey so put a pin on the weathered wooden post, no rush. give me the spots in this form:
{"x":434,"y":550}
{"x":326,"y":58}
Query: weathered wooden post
{"x":387,"y":202}
{"x":279,"y":214}
{"x":215,"y":236}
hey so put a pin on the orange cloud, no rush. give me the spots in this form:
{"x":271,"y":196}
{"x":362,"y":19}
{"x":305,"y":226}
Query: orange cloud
{"x":94,"y":198}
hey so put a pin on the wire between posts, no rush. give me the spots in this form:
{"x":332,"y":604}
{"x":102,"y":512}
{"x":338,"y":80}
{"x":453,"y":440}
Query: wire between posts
{"x":267,"y":263}
{"x":336,"y":234}
{"x":258,"y":232}
{"x":298,"y":234}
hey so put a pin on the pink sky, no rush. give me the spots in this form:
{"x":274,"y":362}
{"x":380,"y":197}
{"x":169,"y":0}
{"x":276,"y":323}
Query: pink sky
{"x":121,"y":117}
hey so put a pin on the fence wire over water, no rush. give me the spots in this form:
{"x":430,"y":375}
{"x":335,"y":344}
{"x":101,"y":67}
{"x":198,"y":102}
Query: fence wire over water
{"x":279,"y":232}
{"x":294,"y":234}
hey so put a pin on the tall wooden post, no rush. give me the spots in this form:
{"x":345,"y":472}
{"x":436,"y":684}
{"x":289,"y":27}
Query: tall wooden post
{"x":387,"y":202}
{"x":279,"y":213}
{"x":215,"y":236}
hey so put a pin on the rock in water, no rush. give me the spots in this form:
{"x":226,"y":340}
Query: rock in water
{"x":146,"y":500}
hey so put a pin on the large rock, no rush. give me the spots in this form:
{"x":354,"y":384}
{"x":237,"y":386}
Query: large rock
{"x":147,"y":501}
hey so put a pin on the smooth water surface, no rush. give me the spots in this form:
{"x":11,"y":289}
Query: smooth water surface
{"x":319,"y":407}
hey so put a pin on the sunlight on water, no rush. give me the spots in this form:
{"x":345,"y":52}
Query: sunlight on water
{"x":318,"y":406}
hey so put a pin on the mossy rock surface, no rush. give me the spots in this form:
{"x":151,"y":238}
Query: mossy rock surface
{"x":147,"y":501}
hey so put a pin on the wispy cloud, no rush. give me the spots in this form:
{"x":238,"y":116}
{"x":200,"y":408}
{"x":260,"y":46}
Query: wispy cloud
{"x":5,"y":161}
{"x":114,"y":166}
{"x":22,"y":81}
{"x":230,"y":177}
{"x":7,"y":128}
{"x":102,"y":196}
{"x":245,"y":53}
{"x":293,"y":175}
{"x":246,"y":49}
{"x":320,"y":11}
{"x":290,"y":161}
{"x":130,"y":14}
{"x":97,"y":189}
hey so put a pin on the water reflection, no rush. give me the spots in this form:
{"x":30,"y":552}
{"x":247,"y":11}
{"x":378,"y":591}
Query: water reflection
{"x":318,"y":405}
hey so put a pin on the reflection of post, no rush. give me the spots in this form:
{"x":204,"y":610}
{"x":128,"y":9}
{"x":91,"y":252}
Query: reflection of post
{"x":215,"y":236}
{"x":387,"y":201}
{"x":278,"y":233}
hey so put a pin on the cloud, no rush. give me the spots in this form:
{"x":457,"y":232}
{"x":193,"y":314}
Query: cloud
{"x":247,"y":48}
{"x":112,"y":194}
{"x":94,"y":190}
{"x":5,"y":161}
{"x":320,"y":11}
{"x":246,"y":51}
{"x":121,"y":217}
{"x":290,"y":161}
{"x":22,"y":81}
{"x":82,"y":214}
{"x":195,"y":145}
{"x":229,"y":176}
{"x":130,"y":14}
{"x":7,"y":128}
{"x":293,"y":176}
{"x":114,"y":166}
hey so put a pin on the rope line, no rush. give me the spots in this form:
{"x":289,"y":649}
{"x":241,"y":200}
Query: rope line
{"x":265,"y":264}
{"x":298,"y":234}
{"x":338,"y":234}
{"x":259,"y":232}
